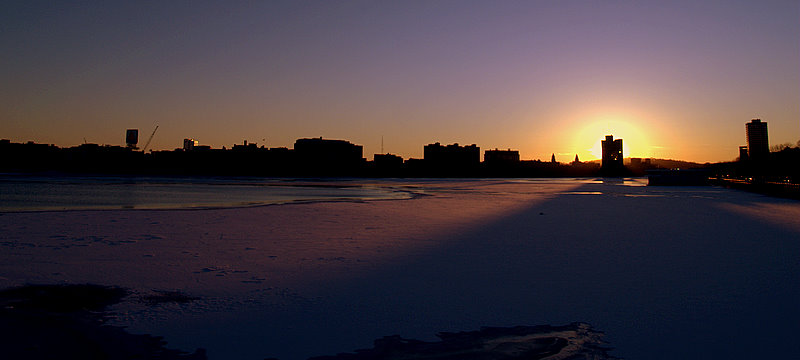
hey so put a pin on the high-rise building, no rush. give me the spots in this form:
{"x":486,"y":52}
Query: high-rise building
{"x":612,"y":153}
{"x":757,"y":141}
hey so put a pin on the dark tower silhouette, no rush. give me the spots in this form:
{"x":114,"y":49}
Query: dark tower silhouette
{"x":132,"y":138}
{"x":553,"y":158}
{"x":757,"y":141}
{"x":576,"y":162}
{"x":612,"y":153}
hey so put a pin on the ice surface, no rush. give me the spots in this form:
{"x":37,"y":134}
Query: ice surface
{"x":666,"y":273}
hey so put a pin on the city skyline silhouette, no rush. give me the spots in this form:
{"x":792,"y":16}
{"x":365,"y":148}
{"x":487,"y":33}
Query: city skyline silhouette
{"x":757,"y":164}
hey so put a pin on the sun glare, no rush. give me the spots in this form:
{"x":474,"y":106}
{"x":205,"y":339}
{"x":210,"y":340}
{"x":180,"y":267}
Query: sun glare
{"x":635,"y":142}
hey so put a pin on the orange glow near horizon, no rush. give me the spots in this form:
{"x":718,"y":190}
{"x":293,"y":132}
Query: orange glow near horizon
{"x":635,"y":142}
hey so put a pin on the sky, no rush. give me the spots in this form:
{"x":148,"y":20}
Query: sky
{"x":673,"y":79}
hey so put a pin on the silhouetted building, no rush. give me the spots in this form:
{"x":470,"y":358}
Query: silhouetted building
{"x":638,"y":166}
{"x":757,"y":141}
{"x":414,"y":167}
{"x":28,"y":156}
{"x":576,"y":161}
{"x":743,"y":153}
{"x":99,"y":158}
{"x":387,"y":165}
{"x":189,"y":144}
{"x":452,"y":155}
{"x":553,"y":158}
{"x":612,"y":153}
{"x":451,"y":160}
{"x":245,"y":146}
{"x":318,"y":155}
{"x":501,"y":163}
{"x":501,"y":156}
{"x":383,"y":161}
{"x":132,"y":138}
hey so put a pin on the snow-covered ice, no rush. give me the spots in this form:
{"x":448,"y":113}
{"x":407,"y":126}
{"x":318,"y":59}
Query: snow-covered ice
{"x":666,"y":273}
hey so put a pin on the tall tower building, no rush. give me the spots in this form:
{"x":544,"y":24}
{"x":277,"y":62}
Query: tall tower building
{"x":612,"y":153}
{"x":757,"y":141}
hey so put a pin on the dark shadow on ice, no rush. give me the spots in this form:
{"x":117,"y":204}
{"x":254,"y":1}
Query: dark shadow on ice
{"x":67,"y":322}
{"x":674,"y":278}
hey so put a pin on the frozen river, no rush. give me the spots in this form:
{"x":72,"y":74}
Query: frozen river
{"x":665,"y":272}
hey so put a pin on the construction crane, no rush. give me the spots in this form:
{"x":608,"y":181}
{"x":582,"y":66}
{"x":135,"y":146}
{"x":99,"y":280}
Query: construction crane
{"x":144,"y":149}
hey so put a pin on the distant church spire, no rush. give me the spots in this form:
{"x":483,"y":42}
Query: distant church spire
{"x":553,"y":158}
{"x":576,"y":158}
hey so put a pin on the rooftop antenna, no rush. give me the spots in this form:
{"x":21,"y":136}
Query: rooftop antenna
{"x":144,"y":149}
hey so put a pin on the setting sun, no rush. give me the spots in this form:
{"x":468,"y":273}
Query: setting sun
{"x":635,"y":142}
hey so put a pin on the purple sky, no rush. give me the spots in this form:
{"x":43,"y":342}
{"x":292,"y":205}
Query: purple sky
{"x":674,"y":79}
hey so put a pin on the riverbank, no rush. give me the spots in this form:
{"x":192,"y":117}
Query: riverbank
{"x":771,"y":188}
